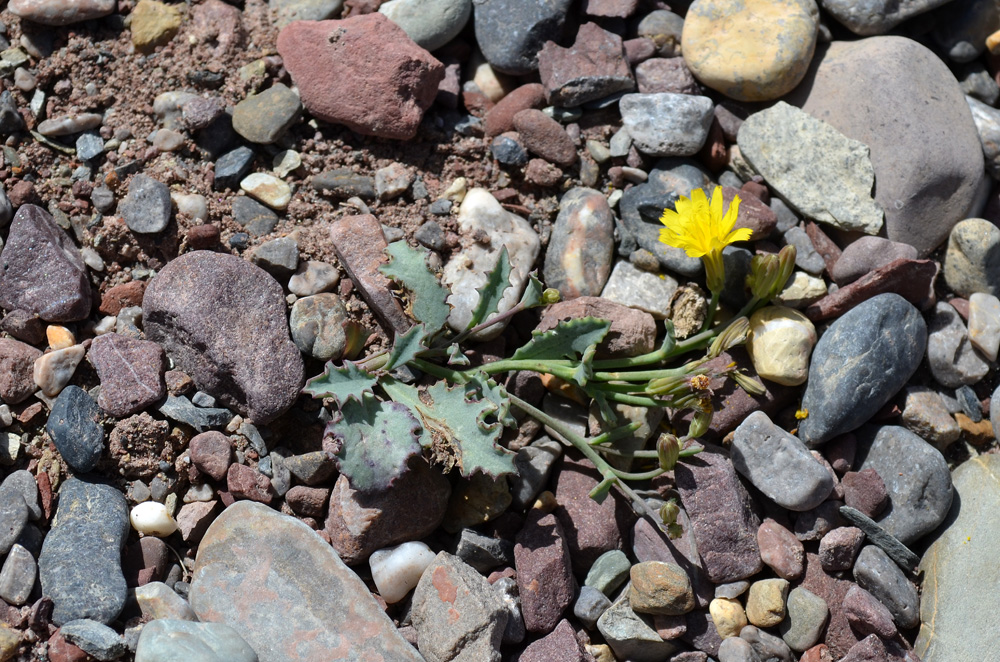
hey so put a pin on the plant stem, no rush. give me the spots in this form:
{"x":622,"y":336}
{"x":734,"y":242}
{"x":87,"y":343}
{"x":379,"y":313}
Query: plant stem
{"x":713,"y":306}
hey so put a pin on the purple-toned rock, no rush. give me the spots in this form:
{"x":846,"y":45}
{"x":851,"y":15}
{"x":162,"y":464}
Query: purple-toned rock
{"x":245,"y":482}
{"x":610,"y":8}
{"x":722,"y":517}
{"x":666,"y":74}
{"x":194,"y":519}
{"x":592,"y":68}
{"x":816,"y":523}
{"x":869,"y":649}
{"x":43,"y":272}
{"x":24,"y":326}
{"x":867,"y":615}
{"x":781,"y":550}
{"x":911,"y":279}
{"x":47,"y":12}
{"x":363,"y":72}
{"x":753,"y":213}
{"x":544,"y":575}
{"x":17,"y":361}
{"x":701,"y":632}
{"x":500,"y":118}
{"x":131,"y":373}
{"x":560,"y":645}
{"x":632,"y":332}
{"x":839,"y":636}
{"x":212,"y":453}
{"x":867,"y":254}
{"x":223,"y":321}
{"x":578,"y":259}
{"x":865,"y":491}
{"x":360,"y":523}
{"x":545,"y":137}
{"x":146,"y":560}
{"x":839,"y":548}
{"x":590,"y":528}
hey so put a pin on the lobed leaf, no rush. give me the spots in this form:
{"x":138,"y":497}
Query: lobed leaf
{"x":567,"y":340}
{"x":491,"y":293}
{"x":532,"y":296}
{"x":408,"y":267}
{"x":486,"y":388}
{"x":406,"y":347}
{"x":341,"y":384}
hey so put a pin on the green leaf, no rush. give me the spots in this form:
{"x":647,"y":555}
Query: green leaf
{"x":486,"y":388}
{"x":460,"y":434}
{"x":377,"y":440}
{"x":532,"y":296}
{"x":568,"y":340}
{"x":406,"y":347}
{"x":408,"y":267}
{"x":491,"y":293}
{"x":456,"y":357}
{"x":341,"y":384}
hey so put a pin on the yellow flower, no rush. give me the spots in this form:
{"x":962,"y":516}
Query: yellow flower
{"x":702,"y":230}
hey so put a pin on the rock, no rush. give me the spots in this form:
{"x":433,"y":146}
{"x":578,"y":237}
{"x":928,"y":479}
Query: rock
{"x":801,"y":291}
{"x":878,"y":17}
{"x":156,"y":600}
{"x":147,"y":208}
{"x":500,"y":118}
{"x":561,"y":644}
{"x":313,"y":277}
{"x":821,"y":173}
{"x":750,"y":50}
{"x":544,"y":576}
{"x":839,"y":547}
{"x":916,"y":477}
{"x":807,"y":615}
{"x":270,"y":190}
{"x":780,"y":550}
{"x":345,"y":183}
{"x":664,"y":29}
{"x":867,"y":254}
{"x":15,"y":512}
{"x":154,"y":24}
{"x":666,"y":74}
{"x":240,"y":355}
{"x":164,"y":640}
{"x":95,"y":638}
{"x":735,"y":649}
{"x":48,"y":12}
{"x":867,"y":615}
{"x":722,"y":520}
{"x":970,"y":263}
{"x":80,"y":563}
{"x":879,"y":575}
{"x":850,"y":86}
{"x":590,"y":605}
{"x":43,"y":272}
{"x":17,"y":578}
{"x":911,"y":279}
{"x":17,"y":360}
{"x":244,"y":482}
{"x":859,"y":364}
{"x":816,"y":523}
{"x":952,"y":358}
{"x":287,"y":11}
{"x":608,"y":572}
{"x":926,"y":414}
{"x":630,"y":635}
{"x":194,"y":519}
{"x":346,"y":76}
{"x":987,"y":121}
{"x":279,"y":257}
{"x":534,"y":464}
{"x":728,"y":616}
{"x":957,"y":592}
{"x":475,"y":500}
{"x":766,"y":602}
{"x":594,"y":67}
{"x":766,"y":646}
{"x":396,"y":570}
{"x":831,"y":589}
{"x":74,"y":426}
{"x":984,"y":324}
{"x":865,"y":491}
{"x":578,"y":258}
{"x":780,"y":343}
{"x":231,"y":168}
{"x":544,"y":137}
{"x":483,"y":552}
{"x":779,"y":465}
{"x":641,"y":290}
{"x":468,"y":269}
{"x":180,"y":409}
{"x":131,"y":373}
{"x":667,"y":124}
{"x":263,"y":118}
{"x":512,"y":32}
{"x":456,"y":613}
{"x":660,"y":588}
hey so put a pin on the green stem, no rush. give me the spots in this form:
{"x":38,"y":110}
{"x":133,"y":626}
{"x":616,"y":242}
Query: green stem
{"x":713,"y":306}
{"x":655,"y":356}
{"x":640,"y":375}
{"x":497,"y":319}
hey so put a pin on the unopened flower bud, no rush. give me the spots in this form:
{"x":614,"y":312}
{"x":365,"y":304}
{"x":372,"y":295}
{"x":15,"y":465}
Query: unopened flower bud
{"x":669,"y":512}
{"x":699,"y":423}
{"x":668,"y":449}
{"x":551,"y":295}
{"x":734,"y":334}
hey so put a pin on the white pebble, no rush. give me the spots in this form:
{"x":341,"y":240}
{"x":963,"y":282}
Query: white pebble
{"x":268,"y":189}
{"x":192,"y":205}
{"x":92,"y":259}
{"x":396,"y":570}
{"x":106,"y":325}
{"x":313,"y":277}
{"x":984,"y":324}
{"x":285,"y":162}
{"x":53,"y":371}
{"x":152,"y":519}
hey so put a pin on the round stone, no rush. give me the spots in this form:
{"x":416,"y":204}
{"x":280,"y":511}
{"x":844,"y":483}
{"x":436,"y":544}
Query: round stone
{"x":971,"y":264}
{"x":728,"y":616}
{"x":750,"y":50}
{"x":766,"y":602}
{"x":317,"y":324}
{"x":781,"y":340}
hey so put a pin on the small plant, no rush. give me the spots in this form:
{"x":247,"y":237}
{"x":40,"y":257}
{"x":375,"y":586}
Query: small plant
{"x":454,"y":414}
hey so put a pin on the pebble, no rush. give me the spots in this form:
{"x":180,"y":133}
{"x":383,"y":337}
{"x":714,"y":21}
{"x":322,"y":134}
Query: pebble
{"x":916,"y":478}
{"x":456,"y":613}
{"x":74,"y":425}
{"x":534,"y":464}
{"x":666,"y":74}
{"x":287,"y":11}
{"x":781,"y":340}
{"x":147,"y":208}
{"x":879,"y":18}
{"x":467,"y":270}
{"x":508,"y":151}
{"x":68,"y":125}
{"x":578,"y":258}
{"x":816,"y":523}
{"x":152,"y":519}
{"x":392,"y":181}
{"x":642,"y":290}
{"x":154,"y":24}
{"x":545,"y":137}
{"x":660,"y":588}
{"x":865,"y":491}
{"x":313,"y":277}
{"x":630,"y":635}
{"x":15,"y":512}
{"x":592,"y":68}
{"x":80,"y":563}
{"x":766,"y":646}
{"x":156,"y":600}
{"x":969,"y":262}
{"x":396,"y":570}
{"x":512,"y":32}
{"x":263,"y":118}
{"x":951,"y":356}
{"x":52,"y":371}
{"x":839,"y":547}
{"x":590,"y":605}
{"x":192,"y":205}
{"x":43,"y":272}
{"x":867,"y":615}
{"x":353,"y":80}
{"x":664,"y":28}
{"x":560,"y":644}
{"x":667,"y":124}
{"x":483,"y":552}
{"x":308,"y":501}
{"x":194,"y":519}
{"x":608,"y":572}
{"x":984,"y":324}
{"x":345,"y":183}
{"x":926,"y":414}
{"x":806,"y":256}
{"x":867,"y":254}
{"x":17,"y":578}
{"x":544,"y":576}
{"x":165,"y":640}
{"x":735,"y":649}
{"x":987,"y":121}
{"x":872,"y":349}
{"x":89,"y":145}
{"x":875,"y":572}
{"x":180,"y":409}
{"x":728,"y":616}
{"x":257,"y":219}
{"x":911,"y":279}
{"x":185,"y":311}
{"x":750,"y":50}
{"x":429,"y":23}
{"x":279,"y":257}
{"x":506,"y":588}
{"x":976,"y":82}
{"x":231,"y":168}
{"x":95,"y":638}
{"x":131,"y":373}
{"x":268,"y":189}
{"x":807,"y":616}
{"x":801,"y":291}
{"x":17,"y":359}
{"x":766,"y":602}
{"x":780,"y":550}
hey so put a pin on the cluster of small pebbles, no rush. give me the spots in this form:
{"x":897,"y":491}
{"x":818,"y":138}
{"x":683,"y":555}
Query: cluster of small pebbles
{"x":195,"y":202}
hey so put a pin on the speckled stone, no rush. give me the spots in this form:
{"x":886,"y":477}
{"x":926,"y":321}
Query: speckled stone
{"x":544,"y":574}
{"x":147,"y":208}
{"x":74,"y":426}
{"x":578,"y":258}
{"x":131,"y":373}
{"x":511,"y":32}
{"x":319,"y":326}
{"x":263,"y":118}
{"x":971,"y":262}
{"x":667,"y":124}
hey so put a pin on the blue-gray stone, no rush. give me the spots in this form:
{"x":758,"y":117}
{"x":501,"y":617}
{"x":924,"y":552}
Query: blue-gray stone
{"x":969,"y":402}
{"x":508,"y":151}
{"x":147,"y":206}
{"x":89,"y":145}
{"x":169,"y":640}
{"x":511,"y":32}
{"x":951,"y":356}
{"x":896,"y":550}
{"x":806,"y":257}
{"x":182,"y":410}
{"x":94,"y":638}
{"x":859,"y":364}
{"x":14,"y":514}
{"x":232,"y":167}
{"x":75,"y":429}
{"x":779,"y":464}
{"x":590,"y":605}
{"x":483,"y":552}
{"x":257,"y":219}
{"x":665,"y":123}
{"x":875,"y":572}
{"x":10,"y":118}
{"x":279,"y":257}
{"x":641,"y":207}
{"x":609,"y":571}
{"x":916,"y":477}
{"x":22,"y":482}
{"x":80,"y":564}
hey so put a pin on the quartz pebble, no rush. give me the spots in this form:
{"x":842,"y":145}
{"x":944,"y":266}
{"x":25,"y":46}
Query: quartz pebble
{"x":156,"y":600}
{"x":53,"y":371}
{"x":69,"y":124}
{"x":396,"y":570}
{"x":17,"y":578}
{"x":667,"y":124}
{"x":152,"y":519}
{"x":781,"y":340}
{"x":984,"y":323}
{"x":167,"y":640}
{"x":270,"y":190}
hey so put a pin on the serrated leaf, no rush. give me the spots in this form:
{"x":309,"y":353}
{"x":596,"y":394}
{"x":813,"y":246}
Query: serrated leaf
{"x":341,"y":384}
{"x":456,"y":357}
{"x":408,"y":267}
{"x":486,"y":388}
{"x":567,"y":340}
{"x":491,"y":293}
{"x":406,"y":347}
{"x":460,"y":435}
{"x":377,"y":440}
{"x":532,"y":296}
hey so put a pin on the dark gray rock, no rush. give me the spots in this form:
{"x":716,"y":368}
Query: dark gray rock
{"x":859,"y":364}
{"x":147,"y":207}
{"x":875,"y":572}
{"x":14,"y":513}
{"x":345,"y":183}
{"x":768,"y":647}
{"x":508,"y":151}
{"x":95,"y":638}
{"x":878,"y":16}
{"x":511,"y":32}
{"x":483,"y":552}
{"x":590,"y":605}
{"x":42,"y":271}
{"x":265,"y":117}
{"x":257,"y":219}
{"x":75,"y":429}
{"x":963,"y":30}
{"x":896,"y":550}
{"x":279,"y":257}
{"x":180,"y":409}
{"x":80,"y":564}
{"x":581,"y":247}
{"x":232,"y":167}
{"x":10,"y":118}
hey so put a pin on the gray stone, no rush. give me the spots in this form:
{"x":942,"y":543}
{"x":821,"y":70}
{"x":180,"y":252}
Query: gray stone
{"x":14,"y":512}
{"x":667,"y":124}
{"x":875,"y":572}
{"x":820,"y":172}
{"x":807,"y":616}
{"x":609,"y":571}
{"x":75,"y":429}
{"x":320,"y":326}
{"x":10,"y":118}
{"x":168,"y":640}
{"x":916,"y":477}
{"x":80,"y":564}
{"x":779,"y":464}
{"x":263,"y":118}
{"x":511,"y":32}
{"x":630,"y":635}
{"x":959,"y":596}
{"x":976,"y":82}
{"x":456,"y":613}
{"x":995,"y":412}
{"x":257,"y":219}
{"x":89,"y":146}
{"x":867,"y":615}
{"x":642,"y":290}
{"x":17,"y":578}
{"x":534,"y":466}
{"x":147,"y":207}
{"x":590,"y":605}
{"x":878,"y":16}
{"x":345,"y":183}
{"x":483,"y":552}
{"x":767,"y":647}
{"x":231,"y":168}
{"x":859,"y":364}
{"x":241,"y":354}
{"x":734,"y":649}
{"x":806,"y":257}
{"x":875,"y":534}
{"x":926,"y":151}
{"x":279,"y":257}
{"x":581,"y":247}
{"x":987,"y":119}
{"x":429,"y":23}
{"x":313,"y":277}
{"x":972,"y":260}
{"x":180,"y":409}
{"x":867,"y":254}
{"x":952,"y":358}
{"x":157,"y":600}
{"x":94,"y":638}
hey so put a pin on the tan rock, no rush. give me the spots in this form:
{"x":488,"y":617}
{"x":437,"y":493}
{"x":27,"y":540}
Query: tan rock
{"x":53,"y":371}
{"x":728,"y":616}
{"x":780,"y":343}
{"x":660,"y":588}
{"x":154,"y":24}
{"x":766,"y":602}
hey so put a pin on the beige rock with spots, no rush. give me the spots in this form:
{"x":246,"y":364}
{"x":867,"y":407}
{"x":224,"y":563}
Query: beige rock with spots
{"x":660,"y":588}
{"x":267,"y":189}
{"x":52,"y":371}
{"x":766,"y":602}
{"x":728,"y":616}
{"x":780,"y":343}
{"x":154,"y":24}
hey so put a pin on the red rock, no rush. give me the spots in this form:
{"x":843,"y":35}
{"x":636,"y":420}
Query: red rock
{"x":666,"y":74}
{"x":839,"y":636}
{"x":867,"y":615}
{"x":865,"y":491}
{"x":828,"y":250}
{"x":450,"y":88}
{"x":839,"y":548}
{"x":545,"y":137}
{"x":17,"y":360}
{"x":753,"y":213}
{"x":632,"y":332}
{"x":544,"y":576}
{"x":22,"y":193}
{"x":178,"y":382}
{"x":307,"y":501}
{"x":212,"y":453}
{"x":219,"y":25}
{"x":911,"y":279}
{"x":870,"y":649}
{"x":818,"y":653}
{"x":540,"y":172}
{"x":560,"y":645}
{"x":610,"y":8}
{"x":247,"y":483}
{"x":639,"y":50}
{"x":363,"y":72}
{"x":24,"y":326}
{"x":500,"y":118}
{"x":61,"y":650}
{"x":781,"y":550}
{"x":203,"y":236}
{"x":146,"y":560}
{"x":122,"y":296}
{"x":131,"y":373}
{"x":867,"y":254}
{"x":594,"y":67}
{"x":194,"y":518}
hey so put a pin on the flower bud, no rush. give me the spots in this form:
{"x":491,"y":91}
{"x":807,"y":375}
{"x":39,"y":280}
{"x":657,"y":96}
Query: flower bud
{"x":668,"y":449}
{"x":699,"y":423}
{"x":354,"y":339}
{"x":734,"y":334}
{"x":669,"y":512}
{"x":551,"y":295}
